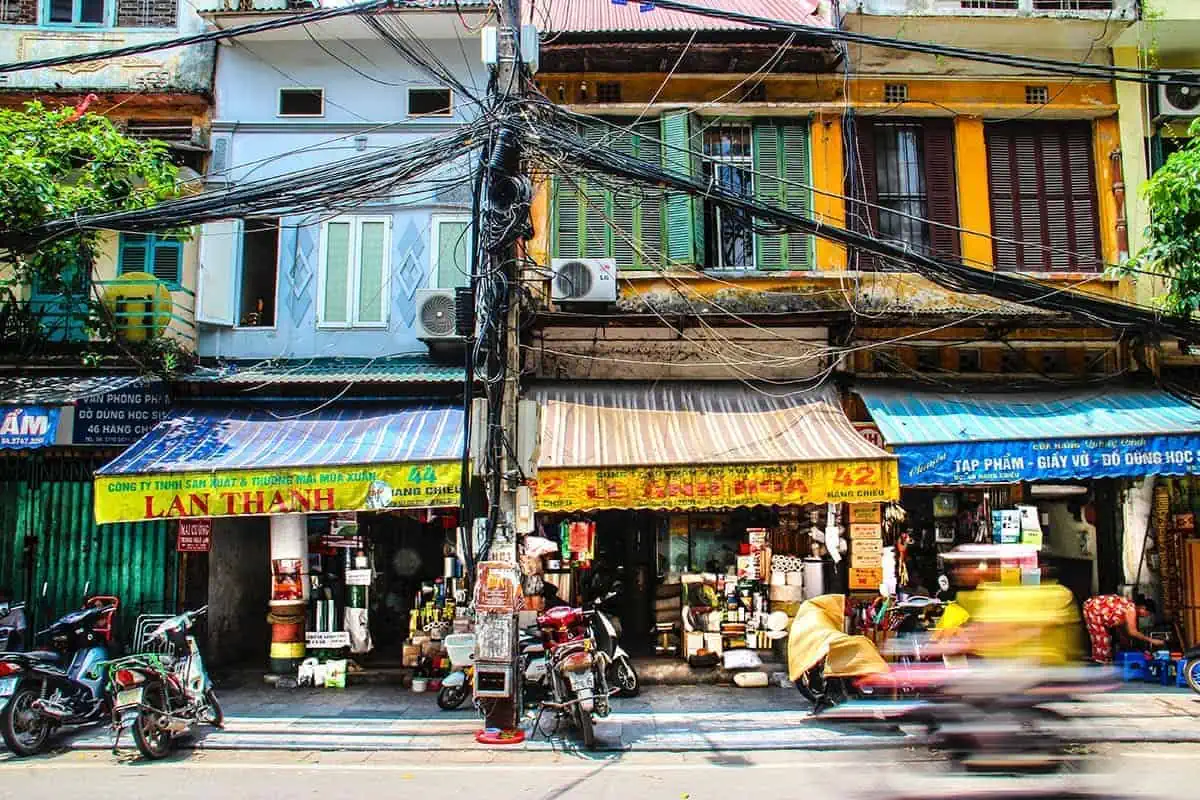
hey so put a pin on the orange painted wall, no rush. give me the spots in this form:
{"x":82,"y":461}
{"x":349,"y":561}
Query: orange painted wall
{"x":974,"y":205}
{"x":827,"y":171}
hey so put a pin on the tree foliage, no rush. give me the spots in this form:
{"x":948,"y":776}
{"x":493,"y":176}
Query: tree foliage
{"x":55,"y":164}
{"x":1173,"y":194}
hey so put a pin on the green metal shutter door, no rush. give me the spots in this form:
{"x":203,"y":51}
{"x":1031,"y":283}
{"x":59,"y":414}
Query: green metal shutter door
{"x":685,"y":238}
{"x":797,"y":185}
{"x":14,"y":503}
{"x":133,"y":561}
{"x":768,"y":248}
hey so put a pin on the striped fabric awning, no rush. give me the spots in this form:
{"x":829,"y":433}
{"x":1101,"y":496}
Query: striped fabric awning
{"x":609,"y":424}
{"x":236,"y":462}
{"x":697,"y":445}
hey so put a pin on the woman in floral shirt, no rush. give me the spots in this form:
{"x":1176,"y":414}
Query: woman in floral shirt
{"x":1107,"y":611}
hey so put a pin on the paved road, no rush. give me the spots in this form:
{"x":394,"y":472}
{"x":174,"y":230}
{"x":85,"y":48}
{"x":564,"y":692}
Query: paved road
{"x":1141,"y":771}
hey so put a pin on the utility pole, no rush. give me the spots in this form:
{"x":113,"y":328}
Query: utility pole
{"x":504,"y":174}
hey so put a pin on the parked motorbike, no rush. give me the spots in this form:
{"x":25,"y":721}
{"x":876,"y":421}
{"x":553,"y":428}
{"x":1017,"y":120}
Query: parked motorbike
{"x":161,"y":696}
{"x":604,"y":629}
{"x":823,"y":660}
{"x":42,"y":690}
{"x":577,"y":670}
{"x":458,"y":685}
{"x":12,"y":631}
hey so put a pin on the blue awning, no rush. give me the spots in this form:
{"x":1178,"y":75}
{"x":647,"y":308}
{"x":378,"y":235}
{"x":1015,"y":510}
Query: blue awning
{"x":945,"y":438}
{"x":208,"y":440}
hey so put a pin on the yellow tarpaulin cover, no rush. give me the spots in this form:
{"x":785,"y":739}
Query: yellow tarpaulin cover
{"x":817,"y":633}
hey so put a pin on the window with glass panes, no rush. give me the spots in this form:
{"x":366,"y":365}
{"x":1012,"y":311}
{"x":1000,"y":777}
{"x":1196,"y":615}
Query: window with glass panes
{"x":730,"y":164}
{"x":354,"y":270}
{"x":76,"y":12}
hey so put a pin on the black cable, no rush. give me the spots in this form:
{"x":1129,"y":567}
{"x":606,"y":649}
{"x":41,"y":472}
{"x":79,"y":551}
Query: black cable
{"x":364,"y":7}
{"x":1054,"y":66}
{"x":948,"y":274}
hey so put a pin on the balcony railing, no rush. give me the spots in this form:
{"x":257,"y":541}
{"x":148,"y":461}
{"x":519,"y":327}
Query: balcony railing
{"x":1086,"y":9}
{"x":137,"y":310}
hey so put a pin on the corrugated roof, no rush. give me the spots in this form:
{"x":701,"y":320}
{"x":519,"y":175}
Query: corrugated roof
{"x":199,"y":440}
{"x":636,"y":424}
{"x":61,"y":390}
{"x":906,"y":417}
{"x":399,"y":369}
{"x":604,"y":16}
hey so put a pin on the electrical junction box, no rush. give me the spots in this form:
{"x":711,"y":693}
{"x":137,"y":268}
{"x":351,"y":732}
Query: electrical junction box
{"x":493,"y":680}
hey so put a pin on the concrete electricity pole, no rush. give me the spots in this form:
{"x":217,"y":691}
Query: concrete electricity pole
{"x":504,"y":714}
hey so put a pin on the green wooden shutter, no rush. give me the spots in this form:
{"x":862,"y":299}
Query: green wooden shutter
{"x":649,"y":217}
{"x":166,"y":259}
{"x":684,"y":213}
{"x":133,"y":249}
{"x":768,"y":248}
{"x":568,"y":223}
{"x":596,"y":206}
{"x":797,"y":182}
{"x":624,"y":207}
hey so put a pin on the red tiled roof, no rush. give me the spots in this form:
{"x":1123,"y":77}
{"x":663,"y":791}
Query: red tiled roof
{"x":604,"y":16}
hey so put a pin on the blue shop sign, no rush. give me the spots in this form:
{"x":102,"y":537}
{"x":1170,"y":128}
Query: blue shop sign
{"x":26,"y":427}
{"x":965,"y":463}
{"x":123,"y":416}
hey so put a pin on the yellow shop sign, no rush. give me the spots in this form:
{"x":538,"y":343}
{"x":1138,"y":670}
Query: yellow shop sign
{"x":239,"y":493}
{"x":729,"y":485}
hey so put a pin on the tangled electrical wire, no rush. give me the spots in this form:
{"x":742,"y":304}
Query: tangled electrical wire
{"x":557,"y":142}
{"x":349,"y":182}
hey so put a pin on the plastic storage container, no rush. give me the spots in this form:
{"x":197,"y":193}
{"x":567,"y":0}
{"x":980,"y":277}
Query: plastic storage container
{"x":461,"y":649}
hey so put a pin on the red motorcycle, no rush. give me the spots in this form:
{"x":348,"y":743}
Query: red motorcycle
{"x":577,"y":670}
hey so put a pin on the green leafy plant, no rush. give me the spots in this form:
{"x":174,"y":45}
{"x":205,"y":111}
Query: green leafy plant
{"x":59,"y":163}
{"x":1173,"y":195}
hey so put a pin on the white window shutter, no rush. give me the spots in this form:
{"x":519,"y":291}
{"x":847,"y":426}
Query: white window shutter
{"x":219,"y":245}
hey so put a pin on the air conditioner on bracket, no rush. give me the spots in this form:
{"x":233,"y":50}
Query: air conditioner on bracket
{"x":1179,"y":99}
{"x":435,"y":314}
{"x":583,"y":280}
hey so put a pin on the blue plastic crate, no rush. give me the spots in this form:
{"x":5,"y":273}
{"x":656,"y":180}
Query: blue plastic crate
{"x":1133,"y":666}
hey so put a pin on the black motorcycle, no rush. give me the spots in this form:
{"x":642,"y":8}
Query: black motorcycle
{"x":43,"y":690}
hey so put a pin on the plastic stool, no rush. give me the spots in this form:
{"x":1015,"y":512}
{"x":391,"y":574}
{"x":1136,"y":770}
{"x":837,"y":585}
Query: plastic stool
{"x":1160,"y":670}
{"x":1181,"y":673}
{"x":1133,"y":666}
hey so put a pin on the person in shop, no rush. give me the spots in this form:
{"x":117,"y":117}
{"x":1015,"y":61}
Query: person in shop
{"x":1107,"y":612}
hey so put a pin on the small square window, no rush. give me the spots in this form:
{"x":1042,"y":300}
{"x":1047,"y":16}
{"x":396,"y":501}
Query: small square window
{"x":1012,"y":361}
{"x":77,"y":12}
{"x":929,"y":359}
{"x":429,"y":103}
{"x":608,"y":92}
{"x":895,"y":93}
{"x":301,"y":102}
{"x":1037,"y":95}
{"x":756,"y":94}
{"x":968,"y":361}
{"x":1054,"y":362}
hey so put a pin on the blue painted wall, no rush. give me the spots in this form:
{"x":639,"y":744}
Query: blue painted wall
{"x":262,"y":145}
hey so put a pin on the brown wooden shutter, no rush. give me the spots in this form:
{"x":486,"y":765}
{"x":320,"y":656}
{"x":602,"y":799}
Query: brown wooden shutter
{"x":940,"y":191}
{"x":863,"y":188}
{"x":1042,"y":185}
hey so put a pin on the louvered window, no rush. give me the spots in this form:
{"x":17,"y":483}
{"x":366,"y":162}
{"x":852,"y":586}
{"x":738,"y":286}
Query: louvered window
{"x":597,"y":217}
{"x":157,"y":254}
{"x":1043,"y":194}
{"x":903,"y":187}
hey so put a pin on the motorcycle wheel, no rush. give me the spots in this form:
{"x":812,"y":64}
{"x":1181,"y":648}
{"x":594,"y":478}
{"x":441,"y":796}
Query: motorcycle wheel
{"x":1191,"y":673}
{"x":626,"y":679}
{"x":583,"y":719}
{"x":152,"y":741}
{"x":213,"y":714}
{"x":24,"y":730}
{"x":451,"y":697}
{"x":811,"y":684}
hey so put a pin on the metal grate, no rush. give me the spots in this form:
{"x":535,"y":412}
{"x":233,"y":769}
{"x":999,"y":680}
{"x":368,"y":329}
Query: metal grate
{"x":608,"y":92}
{"x":895,"y":93}
{"x":1037,"y":95}
{"x":1072,"y":5}
{"x":989,"y":5}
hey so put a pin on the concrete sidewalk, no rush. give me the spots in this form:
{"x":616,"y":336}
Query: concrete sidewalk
{"x":677,"y":719}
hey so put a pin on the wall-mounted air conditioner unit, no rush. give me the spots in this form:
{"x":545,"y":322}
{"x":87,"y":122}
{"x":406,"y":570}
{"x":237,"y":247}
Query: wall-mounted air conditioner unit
{"x":435,"y":315}
{"x":1180,"y":99}
{"x":583,"y":280}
